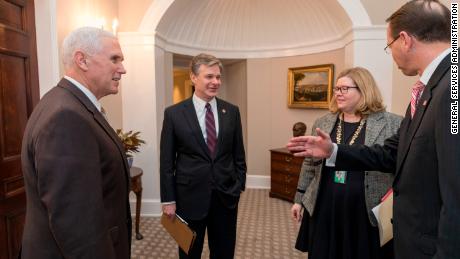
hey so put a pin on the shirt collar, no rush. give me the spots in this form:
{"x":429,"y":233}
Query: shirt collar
{"x":200,"y":103}
{"x":86,"y":91}
{"x":429,"y":70}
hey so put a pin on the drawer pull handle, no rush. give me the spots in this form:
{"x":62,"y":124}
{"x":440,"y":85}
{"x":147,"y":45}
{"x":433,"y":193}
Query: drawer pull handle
{"x":288,"y":159}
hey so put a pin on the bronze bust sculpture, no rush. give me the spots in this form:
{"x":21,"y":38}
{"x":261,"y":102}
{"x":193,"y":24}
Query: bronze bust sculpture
{"x":299,"y":129}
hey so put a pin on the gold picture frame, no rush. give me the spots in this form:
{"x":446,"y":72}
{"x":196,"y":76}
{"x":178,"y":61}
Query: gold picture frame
{"x":310,"y":87}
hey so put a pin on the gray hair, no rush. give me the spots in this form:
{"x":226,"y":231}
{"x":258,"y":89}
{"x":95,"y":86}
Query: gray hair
{"x":204,"y":59}
{"x":86,"y":39}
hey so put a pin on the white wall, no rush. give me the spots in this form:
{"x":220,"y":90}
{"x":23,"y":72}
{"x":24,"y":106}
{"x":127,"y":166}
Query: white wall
{"x":402,"y":86}
{"x":140,"y":112}
{"x":130,"y":13}
{"x":235,"y":79}
{"x":366,"y":50}
{"x":47,"y":45}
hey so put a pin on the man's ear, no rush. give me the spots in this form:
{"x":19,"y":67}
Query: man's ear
{"x":193,"y":77}
{"x":80,"y":60}
{"x":407,"y":40}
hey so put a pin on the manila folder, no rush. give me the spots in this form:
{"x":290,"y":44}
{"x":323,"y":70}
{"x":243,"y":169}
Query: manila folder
{"x":384,"y":213}
{"x":180,"y":231}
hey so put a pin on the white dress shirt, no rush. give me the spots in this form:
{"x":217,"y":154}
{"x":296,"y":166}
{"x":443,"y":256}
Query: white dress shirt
{"x":200,"y":110}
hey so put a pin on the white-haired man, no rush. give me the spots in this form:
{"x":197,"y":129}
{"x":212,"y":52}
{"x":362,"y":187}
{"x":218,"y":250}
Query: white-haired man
{"x":75,"y":170}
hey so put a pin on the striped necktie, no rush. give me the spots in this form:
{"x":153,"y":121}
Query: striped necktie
{"x":417,"y":90}
{"x":211,"y":139}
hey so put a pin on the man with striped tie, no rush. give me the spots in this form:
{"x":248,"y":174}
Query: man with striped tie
{"x":202,"y":161}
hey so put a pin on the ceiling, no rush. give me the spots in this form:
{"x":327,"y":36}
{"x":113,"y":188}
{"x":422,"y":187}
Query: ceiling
{"x":252,"y":28}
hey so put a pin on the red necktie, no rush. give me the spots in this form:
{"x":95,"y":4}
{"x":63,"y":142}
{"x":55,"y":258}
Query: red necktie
{"x":211,"y":138}
{"x":417,"y":89}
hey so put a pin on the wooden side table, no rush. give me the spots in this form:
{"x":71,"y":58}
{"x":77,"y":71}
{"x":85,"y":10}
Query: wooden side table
{"x":136,"y":187}
{"x":285,"y":170}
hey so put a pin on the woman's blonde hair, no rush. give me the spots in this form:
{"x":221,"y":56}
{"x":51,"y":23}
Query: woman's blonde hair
{"x":371,"y":98}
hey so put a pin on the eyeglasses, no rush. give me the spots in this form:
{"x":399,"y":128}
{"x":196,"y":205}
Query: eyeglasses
{"x":342,"y":89}
{"x":387,"y":49}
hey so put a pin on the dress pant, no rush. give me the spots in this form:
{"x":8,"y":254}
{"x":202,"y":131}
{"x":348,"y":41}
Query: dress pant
{"x":221,"y":225}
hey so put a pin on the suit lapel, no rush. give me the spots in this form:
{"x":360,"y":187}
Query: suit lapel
{"x":374,"y":127}
{"x":328,"y":123}
{"x":404,"y":128}
{"x":113,"y":135}
{"x":413,"y":125}
{"x":192,"y":120}
{"x":222,"y":116}
{"x":424,"y":102}
{"x":98,"y":118}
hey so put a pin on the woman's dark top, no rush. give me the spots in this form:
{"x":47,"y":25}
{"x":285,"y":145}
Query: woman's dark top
{"x":340,"y":227}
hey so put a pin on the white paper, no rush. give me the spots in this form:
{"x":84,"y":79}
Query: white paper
{"x":384,"y":214}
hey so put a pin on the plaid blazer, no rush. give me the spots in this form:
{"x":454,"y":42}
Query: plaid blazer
{"x":379,"y":126}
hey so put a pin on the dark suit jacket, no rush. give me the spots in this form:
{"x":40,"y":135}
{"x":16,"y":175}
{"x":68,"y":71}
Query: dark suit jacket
{"x":76,"y":180}
{"x":425,"y":158}
{"x":188,"y":173}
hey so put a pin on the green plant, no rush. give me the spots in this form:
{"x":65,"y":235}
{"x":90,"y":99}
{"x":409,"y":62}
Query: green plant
{"x":131,"y":141}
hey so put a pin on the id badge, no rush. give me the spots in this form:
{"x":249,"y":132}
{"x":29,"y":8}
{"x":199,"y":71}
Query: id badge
{"x":340,"y":177}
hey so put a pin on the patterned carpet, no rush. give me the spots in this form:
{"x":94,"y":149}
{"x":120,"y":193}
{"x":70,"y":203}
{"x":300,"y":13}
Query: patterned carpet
{"x":265,"y":230}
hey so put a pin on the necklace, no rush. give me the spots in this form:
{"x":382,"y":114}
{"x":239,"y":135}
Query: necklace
{"x":340,"y":176}
{"x":355,"y":135}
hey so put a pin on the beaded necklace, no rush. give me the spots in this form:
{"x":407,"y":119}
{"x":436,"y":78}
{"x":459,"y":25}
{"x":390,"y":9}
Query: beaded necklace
{"x":355,"y":135}
{"x":340,"y":176}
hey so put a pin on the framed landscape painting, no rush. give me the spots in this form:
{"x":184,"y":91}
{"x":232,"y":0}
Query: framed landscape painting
{"x":310,"y":87}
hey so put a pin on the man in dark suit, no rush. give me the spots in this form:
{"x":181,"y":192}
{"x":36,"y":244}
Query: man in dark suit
{"x":75,"y":169}
{"x":202,"y":161}
{"x":424,"y":155}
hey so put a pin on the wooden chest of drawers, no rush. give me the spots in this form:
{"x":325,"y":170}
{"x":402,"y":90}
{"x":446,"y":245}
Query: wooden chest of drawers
{"x":285,"y":169}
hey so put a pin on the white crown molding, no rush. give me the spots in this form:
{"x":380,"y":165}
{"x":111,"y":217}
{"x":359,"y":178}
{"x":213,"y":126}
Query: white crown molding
{"x":353,"y":8}
{"x":376,"y":32}
{"x":153,"y":15}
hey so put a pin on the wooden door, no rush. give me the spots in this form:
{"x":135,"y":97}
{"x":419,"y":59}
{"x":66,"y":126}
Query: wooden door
{"x":18,"y":96}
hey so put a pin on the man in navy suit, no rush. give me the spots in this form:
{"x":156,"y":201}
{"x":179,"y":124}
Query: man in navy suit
{"x":202,"y":161}
{"x":424,"y":155}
